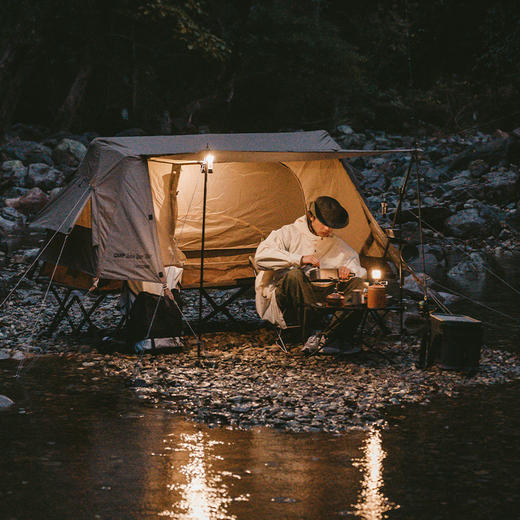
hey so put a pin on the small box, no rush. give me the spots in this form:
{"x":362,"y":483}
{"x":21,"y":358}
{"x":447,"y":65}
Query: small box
{"x":455,"y":341}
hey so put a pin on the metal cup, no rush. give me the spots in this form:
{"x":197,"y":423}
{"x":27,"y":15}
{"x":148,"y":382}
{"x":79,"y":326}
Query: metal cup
{"x":357,"y":296}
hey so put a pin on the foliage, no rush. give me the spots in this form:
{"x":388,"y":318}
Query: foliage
{"x":181,"y":65}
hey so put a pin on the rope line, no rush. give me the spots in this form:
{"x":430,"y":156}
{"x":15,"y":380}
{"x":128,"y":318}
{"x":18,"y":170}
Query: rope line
{"x":460,"y":248}
{"x":41,"y":251}
{"x":38,"y":317}
{"x":477,"y":302}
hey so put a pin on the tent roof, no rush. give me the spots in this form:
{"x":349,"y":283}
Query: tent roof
{"x":234,"y":147}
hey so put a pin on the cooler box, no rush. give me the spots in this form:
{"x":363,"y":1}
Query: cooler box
{"x":455,"y":340}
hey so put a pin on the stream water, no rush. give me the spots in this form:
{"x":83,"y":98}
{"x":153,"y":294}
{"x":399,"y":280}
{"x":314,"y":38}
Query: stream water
{"x":79,"y":445}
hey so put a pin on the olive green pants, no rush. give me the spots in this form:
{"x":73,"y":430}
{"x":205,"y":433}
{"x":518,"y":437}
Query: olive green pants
{"x":294,"y":291}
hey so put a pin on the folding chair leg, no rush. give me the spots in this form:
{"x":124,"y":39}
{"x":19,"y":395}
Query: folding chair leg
{"x":64,"y":306}
{"x":87,"y":314}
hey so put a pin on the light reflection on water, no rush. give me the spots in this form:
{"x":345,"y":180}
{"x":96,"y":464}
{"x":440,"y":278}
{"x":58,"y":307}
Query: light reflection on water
{"x":372,"y":503}
{"x":201,"y":493}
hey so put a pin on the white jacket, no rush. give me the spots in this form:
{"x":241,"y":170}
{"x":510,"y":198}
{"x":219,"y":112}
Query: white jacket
{"x":283,"y":250}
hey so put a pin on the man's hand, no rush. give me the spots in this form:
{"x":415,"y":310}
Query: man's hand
{"x":343,"y":272}
{"x":310,"y":260}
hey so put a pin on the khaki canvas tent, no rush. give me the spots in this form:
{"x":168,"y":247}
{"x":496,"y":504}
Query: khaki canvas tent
{"x":136,"y":204}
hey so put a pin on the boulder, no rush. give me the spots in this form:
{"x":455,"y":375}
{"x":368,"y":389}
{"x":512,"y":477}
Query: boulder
{"x":470,"y":273}
{"x":513,"y":219}
{"x":42,"y":176}
{"x":15,"y":171}
{"x":33,"y":201}
{"x":501,"y":186}
{"x":414,"y":288}
{"x":69,"y":152}
{"x":15,"y":191}
{"x":373,"y":180}
{"x":345,"y":129}
{"x":467,"y":224}
{"x":54,"y":193}
{"x":27,"y":151}
{"x":433,"y":266}
{"x":11,"y":221}
{"x":40,"y":154}
{"x":478,"y":168}
{"x":462,"y":179}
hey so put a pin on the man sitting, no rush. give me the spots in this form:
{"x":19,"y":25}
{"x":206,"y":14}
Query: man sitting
{"x":282,"y":288}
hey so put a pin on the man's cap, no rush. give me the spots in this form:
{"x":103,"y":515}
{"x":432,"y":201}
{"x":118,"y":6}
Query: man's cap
{"x":329,"y":212}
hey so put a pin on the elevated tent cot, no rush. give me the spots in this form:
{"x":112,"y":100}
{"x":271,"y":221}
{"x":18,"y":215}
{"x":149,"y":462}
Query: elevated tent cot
{"x":136,"y":204}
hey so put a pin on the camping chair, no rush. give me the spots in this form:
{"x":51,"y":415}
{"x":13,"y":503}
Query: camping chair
{"x":242,"y":285}
{"x":69,"y":288}
{"x":279,"y":331}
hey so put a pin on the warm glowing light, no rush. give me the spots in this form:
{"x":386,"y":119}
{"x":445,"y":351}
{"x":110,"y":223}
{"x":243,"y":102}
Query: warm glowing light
{"x":209,"y":162}
{"x":376,"y":274}
{"x":373,"y":504}
{"x":203,"y":493}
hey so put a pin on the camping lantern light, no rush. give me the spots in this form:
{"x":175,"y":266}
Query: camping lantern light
{"x":207,"y":165}
{"x":376,"y":275}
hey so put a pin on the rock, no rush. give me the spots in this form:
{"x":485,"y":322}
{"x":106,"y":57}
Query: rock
{"x":15,"y":171}
{"x":414,"y":288}
{"x":10,"y":221}
{"x":469,"y":273}
{"x":43,"y":176}
{"x":462,"y":179}
{"x":26,"y":151}
{"x":466,"y":224}
{"x":373,"y":180}
{"x":69,"y":153}
{"x":513,"y":219}
{"x":478,"y":168}
{"x":448,"y":298}
{"x":40,"y":154}
{"x":55,"y":192}
{"x":345,"y":129}
{"x":501,"y":186}
{"x":431,"y":262}
{"x":5,"y":402}
{"x":33,"y":201}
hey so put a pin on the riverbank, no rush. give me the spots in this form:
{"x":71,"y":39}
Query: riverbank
{"x":246,"y":381}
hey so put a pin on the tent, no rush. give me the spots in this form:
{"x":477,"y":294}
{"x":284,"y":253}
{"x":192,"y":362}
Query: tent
{"x":136,"y":204}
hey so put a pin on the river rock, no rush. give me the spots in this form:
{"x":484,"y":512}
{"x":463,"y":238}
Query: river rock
{"x":43,"y":176}
{"x":470,"y":273}
{"x":467,"y":224}
{"x":10,"y":221}
{"x":15,"y":171}
{"x":431,"y":263}
{"x":373,"y":180}
{"x":478,"y":168}
{"x":33,"y":201}
{"x":69,"y":153}
{"x":5,"y":402}
{"x":501,"y":186}
{"x":345,"y":130}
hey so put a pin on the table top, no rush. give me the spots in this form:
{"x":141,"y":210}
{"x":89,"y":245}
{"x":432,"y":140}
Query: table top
{"x":348,"y":306}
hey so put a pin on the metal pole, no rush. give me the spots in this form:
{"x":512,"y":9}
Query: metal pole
{"x":202,"y":258}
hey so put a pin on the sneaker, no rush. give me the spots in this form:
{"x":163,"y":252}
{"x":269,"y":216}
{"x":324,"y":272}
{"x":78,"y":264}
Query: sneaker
{"x":313,"y":344}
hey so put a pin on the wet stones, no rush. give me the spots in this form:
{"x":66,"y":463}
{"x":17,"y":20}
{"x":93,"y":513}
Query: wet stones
{"x":69,"y":153}
{"x":5,"y":402}
{"x":29,"y":203}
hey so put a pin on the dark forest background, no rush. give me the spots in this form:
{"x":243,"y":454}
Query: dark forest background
{"x":171,"y":66}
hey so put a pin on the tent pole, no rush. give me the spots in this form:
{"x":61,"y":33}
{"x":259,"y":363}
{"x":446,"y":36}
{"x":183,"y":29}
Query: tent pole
{"x":205,"y":171}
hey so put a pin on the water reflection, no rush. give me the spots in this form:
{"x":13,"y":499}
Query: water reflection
{"x":372,"y":503}
{"x":198,"y":491}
